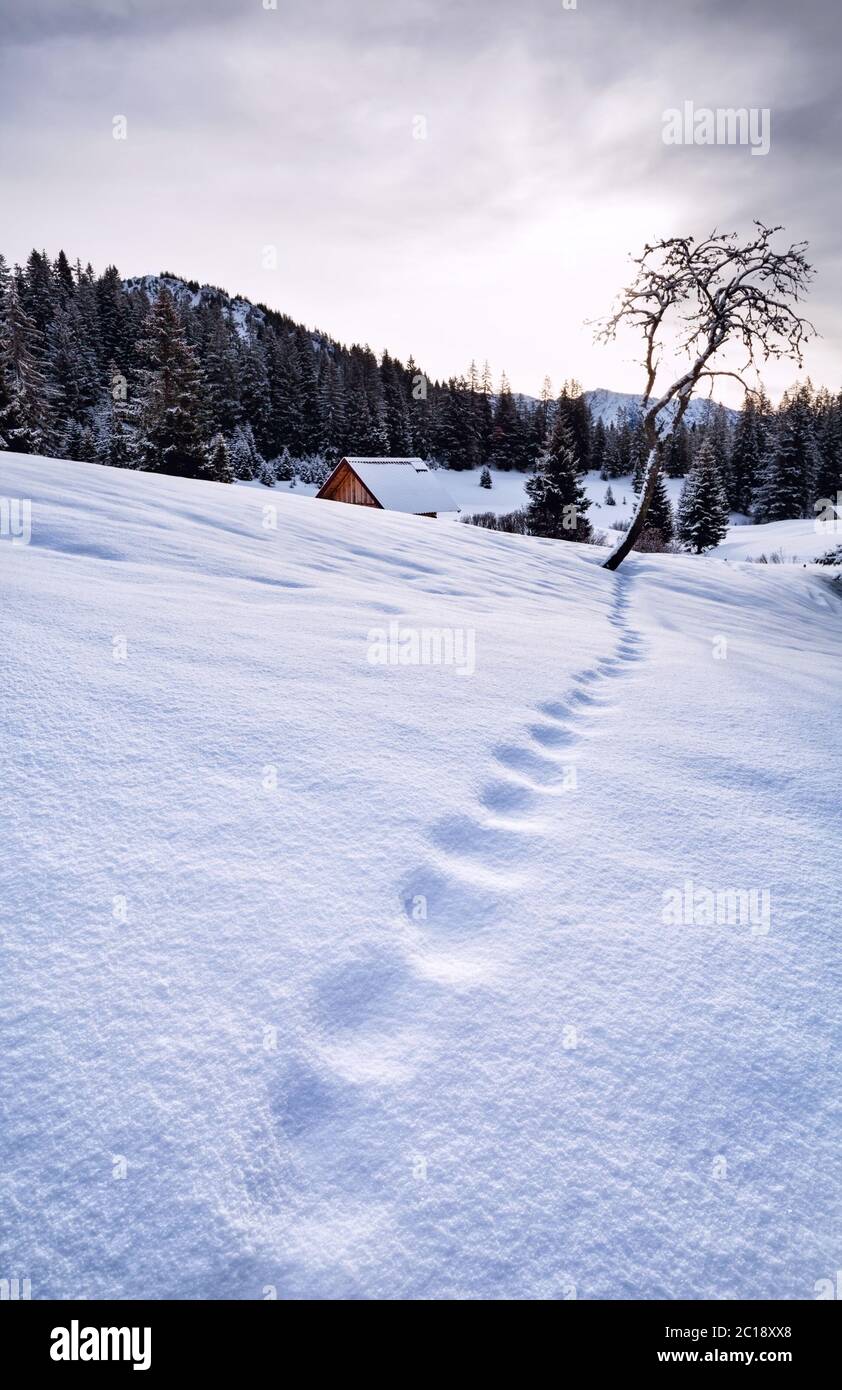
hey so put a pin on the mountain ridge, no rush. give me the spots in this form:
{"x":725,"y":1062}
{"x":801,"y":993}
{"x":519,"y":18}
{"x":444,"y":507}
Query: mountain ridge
{"x":247,"y":316}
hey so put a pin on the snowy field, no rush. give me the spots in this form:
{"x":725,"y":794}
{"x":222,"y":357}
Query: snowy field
{"x":789,"y":541}
{"x":337,"y":978}
{"x":507,"y":492}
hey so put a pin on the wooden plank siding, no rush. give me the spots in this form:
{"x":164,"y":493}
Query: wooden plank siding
{"x":347,"y":487}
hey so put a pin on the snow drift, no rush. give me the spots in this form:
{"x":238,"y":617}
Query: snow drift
{"x":327,"y":976}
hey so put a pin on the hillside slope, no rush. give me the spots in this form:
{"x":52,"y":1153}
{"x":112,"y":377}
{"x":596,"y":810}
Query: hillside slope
{"x":359,"y":972}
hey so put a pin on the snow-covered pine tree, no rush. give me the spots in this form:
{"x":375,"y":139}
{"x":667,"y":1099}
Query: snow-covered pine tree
{"x":222,"y":370}
{"x":70,"y":445}
{"x":286,"y":417}
{"x":169,"y":409}
{"x":829,"y":439}
{"x":254,"y":396}
{"x":455,"y":445}
{"x":745,"y":462}
{"x":610,"y":500}
{"x":114,"y":446}
{"x":88,"y":448}
{"x":505,"y":434}
{"x":72,"y":365}
{"x":787,"y":487}
{"x":113,"y":318}
{"x":37,"y":292}
{"x":613,"y":463}
{"x":282,"y":467}
{"x":702,"y":520}
{"x":598,"y":447}
{"x":396,"y":408}
{"x":677,"y":453}
{"x":79,"y":442}
{"x":216,"y":466}
{"x":545,"y":414}
{"x":312,"y":422}
{"x":660,"y":522}
{"x":256,"y":458}
{"x":241,"y":453}
{"x":572,"y":405}
{"x":485,"y":478}
{"x":484,"y":412}
{"x":718,"y":431}
{"x":333,"y":409}
{"x":558,"y":503}
{"x":63,"y":278}
{"x":25,"y":423}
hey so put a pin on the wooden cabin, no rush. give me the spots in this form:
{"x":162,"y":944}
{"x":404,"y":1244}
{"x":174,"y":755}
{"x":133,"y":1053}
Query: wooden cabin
{"x":393,"y":485}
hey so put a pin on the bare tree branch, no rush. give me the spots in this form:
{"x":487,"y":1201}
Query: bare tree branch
{"x":709,"y":295}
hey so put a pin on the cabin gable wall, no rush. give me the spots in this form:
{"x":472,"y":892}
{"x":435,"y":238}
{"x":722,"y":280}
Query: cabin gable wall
{"x":347,"y":487}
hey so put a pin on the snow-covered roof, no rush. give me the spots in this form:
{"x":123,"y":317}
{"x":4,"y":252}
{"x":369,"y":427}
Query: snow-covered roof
{"x":403,"y":485}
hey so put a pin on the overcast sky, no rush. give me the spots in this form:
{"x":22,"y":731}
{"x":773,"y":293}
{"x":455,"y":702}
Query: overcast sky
{"x":495,"y":236}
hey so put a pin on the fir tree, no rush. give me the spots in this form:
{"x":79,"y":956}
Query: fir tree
{"x":613,"y":464}
{"x":169,"y":413}
{"x":545,"y":413}
{"x":558,"y":503}
{"x":63,"y":277}
{"x":114,"y":443}
{"x":87,"y":448}
{"x":485,"y":478}
{"x":72,"y":365}
{"x":598,"y":447}
{"x":829,"y":467}
{"x":677,"y":452}
{"x":334,"y":407}
{"x":457,"y":443}
{"x":574,"y":408}
{"x":113,"y":318}
{"x":24,"y":393}
{"x":660,"y":523}
{"x":36,"y":289}
{"x":253,"y":391}
{"x":222,"y":372}
{"x":485,"y":413}
{"x":744,"y":464}
{"x":243,"y":457}
{"x":286,"y":419}
{"x":216,"y":466}
{"x":396,"y":408}
{"x":418,"y":412}
{"x":312,"y":427}
{"x":703,"y":516}
{"x":505,"y":434}
{"x":282,"y":467}
{"x":71,"y":445}
{"x":788,"y":483}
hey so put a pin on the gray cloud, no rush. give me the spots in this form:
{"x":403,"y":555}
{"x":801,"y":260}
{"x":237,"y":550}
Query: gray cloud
{"x":496,"y":235}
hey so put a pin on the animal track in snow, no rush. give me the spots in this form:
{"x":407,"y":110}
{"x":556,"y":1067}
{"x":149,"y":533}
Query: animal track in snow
{"x":469,"y":886}
{"x":551,"y":735}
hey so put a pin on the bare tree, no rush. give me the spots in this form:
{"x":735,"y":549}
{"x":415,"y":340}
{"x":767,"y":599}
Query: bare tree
{"x":711,"y":295}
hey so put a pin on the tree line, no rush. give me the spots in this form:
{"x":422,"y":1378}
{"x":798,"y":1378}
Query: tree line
{"x":168,"y":376}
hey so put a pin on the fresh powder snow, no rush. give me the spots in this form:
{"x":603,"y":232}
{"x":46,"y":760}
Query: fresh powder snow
{"x":357,"y":883}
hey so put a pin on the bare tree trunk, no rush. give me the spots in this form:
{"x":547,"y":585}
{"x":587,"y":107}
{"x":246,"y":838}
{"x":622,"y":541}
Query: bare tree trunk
{"x":653,"y":468}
